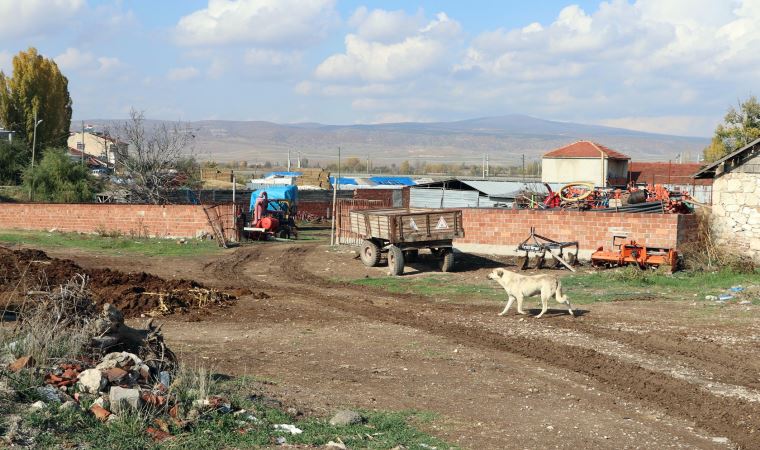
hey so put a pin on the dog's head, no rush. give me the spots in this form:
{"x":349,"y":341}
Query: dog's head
{"x":496,"y":274}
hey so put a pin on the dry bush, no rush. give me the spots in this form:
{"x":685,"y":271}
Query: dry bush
{"x":53,"y":324}
{"x":705,"y":253}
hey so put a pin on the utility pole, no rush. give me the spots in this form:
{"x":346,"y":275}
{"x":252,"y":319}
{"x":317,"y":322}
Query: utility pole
{"x":367,"y":165}
{"x":335,"y":202}
{"x":523,"y":167}
{"x":83,"y":143}
{"x":488,"y":167}
{"x":288,"y":160}
{"x":299,"y":159}
{"x":484,"y":166}
{"x":34,"y":144}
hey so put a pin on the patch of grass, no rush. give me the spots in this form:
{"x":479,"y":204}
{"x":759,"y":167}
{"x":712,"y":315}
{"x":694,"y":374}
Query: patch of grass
{"x":437,"y":286}
{"x":632,"y":283}
{"x":215,"y":430}
{"x":112,"y":243}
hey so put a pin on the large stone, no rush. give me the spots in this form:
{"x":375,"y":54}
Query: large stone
{"x":119,"y":398}
{"x":119,"y":359}
{"x":346,"y":417}
{"x":748,"y":185}
{"x":731,"y":208}
{"x":734,"y":185}
{"x":91,"y":381}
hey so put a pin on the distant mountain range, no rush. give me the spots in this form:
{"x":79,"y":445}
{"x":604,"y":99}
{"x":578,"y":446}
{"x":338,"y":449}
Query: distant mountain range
{"x":505,"y":139}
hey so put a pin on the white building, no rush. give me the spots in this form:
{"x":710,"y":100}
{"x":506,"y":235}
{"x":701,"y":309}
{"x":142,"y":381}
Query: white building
{"x":95,"y":144}
{"x":735,"y":219}
{"x":585,"y":161}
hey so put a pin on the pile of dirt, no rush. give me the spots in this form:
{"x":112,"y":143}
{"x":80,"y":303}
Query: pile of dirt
{"x":133,"y":293}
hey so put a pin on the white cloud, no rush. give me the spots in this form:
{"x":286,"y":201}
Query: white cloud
{"x":22,"y":18}
{"x":74,"y":59}
{"x":267,"y":23}
{"x":373,"y":61}
{"x":182,"y":73}
{"x":385,"y":26}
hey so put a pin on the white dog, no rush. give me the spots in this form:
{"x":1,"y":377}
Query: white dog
{"x":521,"y":286}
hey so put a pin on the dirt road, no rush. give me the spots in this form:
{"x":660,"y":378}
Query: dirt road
{"x":634,"y":374}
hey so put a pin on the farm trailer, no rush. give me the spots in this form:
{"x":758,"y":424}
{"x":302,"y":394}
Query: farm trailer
{"x":402,"y":232}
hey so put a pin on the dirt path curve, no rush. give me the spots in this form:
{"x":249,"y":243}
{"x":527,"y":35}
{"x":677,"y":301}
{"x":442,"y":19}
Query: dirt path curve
{"x":496,"y":382}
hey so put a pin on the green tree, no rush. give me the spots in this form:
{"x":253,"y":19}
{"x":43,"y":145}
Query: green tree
{"x":36,"y":85}
{"x":740,"y":127}
{"x":14,"y":158}
{"x":59,"y":179}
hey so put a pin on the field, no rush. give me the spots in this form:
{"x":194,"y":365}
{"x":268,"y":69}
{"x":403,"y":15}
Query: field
{"x":648,"y":363}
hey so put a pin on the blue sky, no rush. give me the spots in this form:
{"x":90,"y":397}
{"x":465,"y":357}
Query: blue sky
{"x":671,"y":66}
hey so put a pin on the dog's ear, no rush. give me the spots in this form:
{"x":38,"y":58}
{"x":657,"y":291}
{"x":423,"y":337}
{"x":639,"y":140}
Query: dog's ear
{"x":500,"y":272}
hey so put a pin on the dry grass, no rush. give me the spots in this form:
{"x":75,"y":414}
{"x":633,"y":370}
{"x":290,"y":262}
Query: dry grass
{"x":705,"y":253}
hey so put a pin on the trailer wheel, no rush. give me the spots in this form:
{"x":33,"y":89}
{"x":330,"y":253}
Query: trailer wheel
{"x":411,"y":255}
{"x":395,"y":260}
{"x":369,"y":253}
{"x":447,"y":263}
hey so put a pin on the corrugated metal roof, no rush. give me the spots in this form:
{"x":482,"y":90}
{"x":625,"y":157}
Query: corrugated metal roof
{"x":402,"y":181}
{"x":500,"y":188}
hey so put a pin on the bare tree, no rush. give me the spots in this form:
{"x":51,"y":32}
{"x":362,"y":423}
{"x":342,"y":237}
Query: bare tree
{"x":151,"y":156}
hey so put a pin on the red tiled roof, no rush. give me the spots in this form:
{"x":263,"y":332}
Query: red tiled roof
{"x":584,"y":149}
{"x":666,"y":173}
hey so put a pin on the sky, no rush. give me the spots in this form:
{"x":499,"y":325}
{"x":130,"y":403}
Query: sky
{"x":667,"y":66}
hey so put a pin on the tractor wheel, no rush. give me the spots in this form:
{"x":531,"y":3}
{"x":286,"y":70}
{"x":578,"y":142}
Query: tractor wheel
{"x":284,"y":234}
{"x":395,"y":260}
{"x":411,"y":255}
{"x":369,"y":253}
{"x":447,"y":263}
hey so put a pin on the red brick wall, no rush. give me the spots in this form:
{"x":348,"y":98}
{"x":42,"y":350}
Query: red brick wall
{"x":500,"y":230}
{"x":151,"y":220}
{"x":319,"y":209}
{"x":383,"y":194}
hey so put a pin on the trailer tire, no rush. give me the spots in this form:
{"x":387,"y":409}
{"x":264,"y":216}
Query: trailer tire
{"x":411,"y":255}
{"x":369,"y":253}
{"x":395,"y":260}
{"x":447,"y":263}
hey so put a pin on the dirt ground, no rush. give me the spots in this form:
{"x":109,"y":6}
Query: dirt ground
{"x":630,"y":374}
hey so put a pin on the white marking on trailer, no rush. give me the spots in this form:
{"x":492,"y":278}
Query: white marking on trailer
{"x":442,"y":225}
{"x":413,"y":224}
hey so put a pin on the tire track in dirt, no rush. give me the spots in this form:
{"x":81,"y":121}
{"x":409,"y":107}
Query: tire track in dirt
{"x":734,"y":418}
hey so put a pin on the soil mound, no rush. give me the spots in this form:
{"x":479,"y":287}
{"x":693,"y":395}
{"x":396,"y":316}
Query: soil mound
{"x":133,"y":293}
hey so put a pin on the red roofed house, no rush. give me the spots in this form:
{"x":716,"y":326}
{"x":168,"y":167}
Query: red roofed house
{"x":585,"y":161}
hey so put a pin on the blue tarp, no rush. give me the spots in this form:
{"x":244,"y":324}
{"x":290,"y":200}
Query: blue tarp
{"x":283,"y":174}
{"x":393,"y":181}
{"x":276,"y":193}
{"x":344,"y":181}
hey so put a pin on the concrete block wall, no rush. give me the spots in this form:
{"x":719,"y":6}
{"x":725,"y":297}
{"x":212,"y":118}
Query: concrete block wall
{"x":150,"y":220}
{"x":499,"y":231}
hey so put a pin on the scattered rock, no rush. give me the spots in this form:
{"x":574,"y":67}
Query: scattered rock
{"x":119,"y":396}
{"x":346,"y":417}
{"x":292,"y":429}
{"x":280,"y":440}
{"x":69,"y":405}
{"x":336,"y":445}
{"x":100,"y":413}
{"x":24,"y":362}
{"x":122,"y":360}
{"x":49,"y":394}
{"x":720,"y":440}
{"x":91,"y":381}
{"x":38,"y":405}
{"x":165,"y":379}
{"x":115,"y":374}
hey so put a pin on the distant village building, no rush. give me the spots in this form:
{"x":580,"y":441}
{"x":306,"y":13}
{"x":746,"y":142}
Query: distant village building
{"x":735,"y":218}
{"x":96,"y":145}
{"x":585,"y":161}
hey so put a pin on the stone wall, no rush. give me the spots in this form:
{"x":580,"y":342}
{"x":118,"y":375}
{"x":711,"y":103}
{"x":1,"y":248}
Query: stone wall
{"x":736,"y":211}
